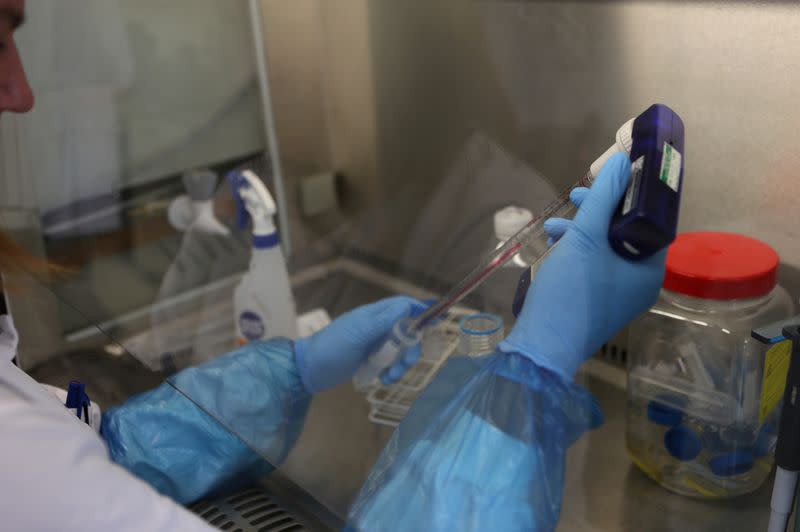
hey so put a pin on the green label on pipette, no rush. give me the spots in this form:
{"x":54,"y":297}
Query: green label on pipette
{"x":671,"y":167}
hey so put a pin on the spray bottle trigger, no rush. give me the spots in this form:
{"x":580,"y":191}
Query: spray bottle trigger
{"x":237,"y":182}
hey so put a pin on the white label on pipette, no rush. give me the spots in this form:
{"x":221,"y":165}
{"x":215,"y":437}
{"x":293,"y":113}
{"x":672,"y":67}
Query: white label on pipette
{"x":671,"y":167}
{"x":633,"y":188}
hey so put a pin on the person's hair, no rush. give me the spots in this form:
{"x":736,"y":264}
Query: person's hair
{"x":15,"y":259}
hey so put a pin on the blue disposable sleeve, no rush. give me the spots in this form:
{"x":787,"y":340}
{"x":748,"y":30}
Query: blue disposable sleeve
{"x":194,"y":434}
{"x":483,"y":448}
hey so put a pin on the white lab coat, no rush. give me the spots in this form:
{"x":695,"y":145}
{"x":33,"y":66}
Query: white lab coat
{"x":55,"y":469}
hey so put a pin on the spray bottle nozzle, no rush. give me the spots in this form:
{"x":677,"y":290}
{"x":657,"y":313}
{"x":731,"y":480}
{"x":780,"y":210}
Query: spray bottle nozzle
{"x":237,"y":182}
{"x":253,"y":202}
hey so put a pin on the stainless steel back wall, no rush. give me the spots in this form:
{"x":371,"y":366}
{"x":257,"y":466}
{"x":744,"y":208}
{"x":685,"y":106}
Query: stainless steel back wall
{"x":399,"y":91}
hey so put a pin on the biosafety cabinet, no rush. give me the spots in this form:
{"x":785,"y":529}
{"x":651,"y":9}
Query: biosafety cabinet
{"x":390,"y":133}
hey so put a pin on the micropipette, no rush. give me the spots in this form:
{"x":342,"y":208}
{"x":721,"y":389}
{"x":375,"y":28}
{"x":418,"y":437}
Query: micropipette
{"x":646,"y":219}
{"x":408,"y":331}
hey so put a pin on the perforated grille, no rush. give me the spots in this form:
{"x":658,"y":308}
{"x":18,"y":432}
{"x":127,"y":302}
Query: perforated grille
{"x":249,"y":511}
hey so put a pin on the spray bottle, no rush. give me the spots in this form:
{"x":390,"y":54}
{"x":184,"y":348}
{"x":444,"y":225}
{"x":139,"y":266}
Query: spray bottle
{"x":262,"y":302}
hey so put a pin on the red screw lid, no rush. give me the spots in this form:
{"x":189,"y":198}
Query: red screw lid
{"x":720,"y":266}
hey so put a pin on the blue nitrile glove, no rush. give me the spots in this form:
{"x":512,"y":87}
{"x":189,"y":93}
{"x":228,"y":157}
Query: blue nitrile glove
{"x":332,"y":355}
{"x":584,"y":293}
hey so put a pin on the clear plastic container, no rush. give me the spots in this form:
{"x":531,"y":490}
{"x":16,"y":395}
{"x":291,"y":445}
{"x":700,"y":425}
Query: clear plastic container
{"x":480,"y":333}
{"x":702,"y":417}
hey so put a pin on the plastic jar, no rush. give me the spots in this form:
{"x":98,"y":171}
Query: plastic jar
{"x":701,"y":417}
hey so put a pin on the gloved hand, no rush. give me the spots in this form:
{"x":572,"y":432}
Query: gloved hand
{"x":584,"y":292}
{"x":332,"y":355}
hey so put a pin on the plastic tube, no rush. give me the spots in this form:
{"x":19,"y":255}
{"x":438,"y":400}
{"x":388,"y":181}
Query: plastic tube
{"x":533,"y":230}
{"x":401,"y":339}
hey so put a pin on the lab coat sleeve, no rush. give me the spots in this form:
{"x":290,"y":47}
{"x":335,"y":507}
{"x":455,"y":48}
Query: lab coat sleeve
{"x":214,"y":426}
{"x":57,"y":475}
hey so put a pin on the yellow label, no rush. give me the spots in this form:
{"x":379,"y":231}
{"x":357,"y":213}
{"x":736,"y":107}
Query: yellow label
{"x":776,"y":366}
